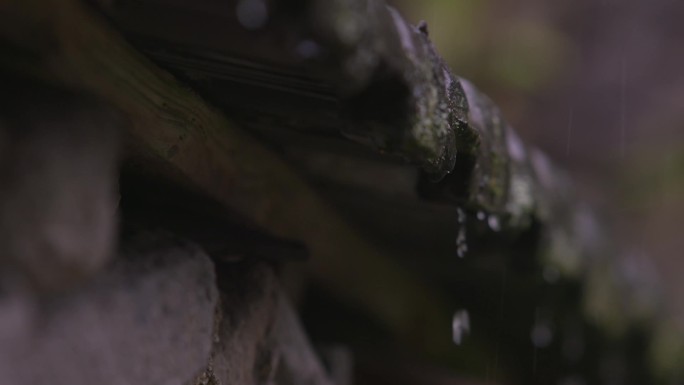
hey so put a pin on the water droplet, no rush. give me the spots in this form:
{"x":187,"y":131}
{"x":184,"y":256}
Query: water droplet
{"x":460,"y":326}
{"x":308,"y":49}
{"x":551,"y":274}
{"x":461,"y":216}
{"x":461,"y":241}
{"x":541,"y":335}
{"x":493,"y":222}
{"x":481,"y":215}
{"x":252,"y":14}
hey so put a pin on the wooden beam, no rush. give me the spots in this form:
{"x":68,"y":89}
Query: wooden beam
{"x":174,"y":133}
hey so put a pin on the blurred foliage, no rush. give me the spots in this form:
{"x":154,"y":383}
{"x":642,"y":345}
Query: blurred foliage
{"x":654,"y":176}
{"x":505,"y":52}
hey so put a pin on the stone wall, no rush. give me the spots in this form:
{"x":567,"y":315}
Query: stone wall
{"x":84,"y":303}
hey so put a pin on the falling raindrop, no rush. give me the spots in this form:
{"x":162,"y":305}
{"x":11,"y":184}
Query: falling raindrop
{"x":493,"y":222}
{"x":252,"y":14}
{"x":461,"y":241}
{"x":623,"y":110}
{"x":460,"y":326}
{"x":461,"y":216}
{"x":569,"y":136}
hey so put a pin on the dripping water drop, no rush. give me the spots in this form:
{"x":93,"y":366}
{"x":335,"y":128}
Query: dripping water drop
{"x":493,"y":222}
{"x":460,"y":326}
{"x":461,"y":216}
{"x":461,"y":241}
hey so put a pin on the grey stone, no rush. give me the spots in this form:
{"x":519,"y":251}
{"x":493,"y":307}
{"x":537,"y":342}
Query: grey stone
{"x":243,"y":353}
{"x":148,"y":320}
{"x":58,"y":184}
{"x":260,"y":339}
{"x":299,"y":365}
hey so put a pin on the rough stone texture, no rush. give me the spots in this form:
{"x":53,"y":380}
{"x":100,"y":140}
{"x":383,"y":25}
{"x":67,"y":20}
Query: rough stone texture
{"x":260,"y":340}
{"x":298,"y":363}
{"x":58,"y":172}
{"x":147,"y":320}
{"x":248,"y":298}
